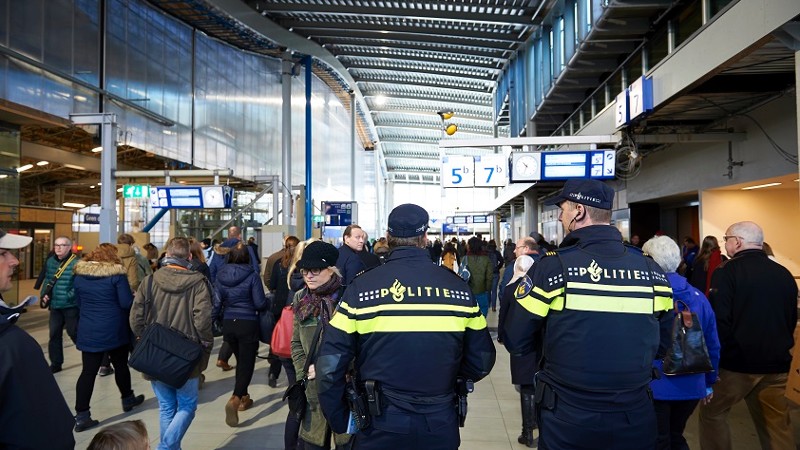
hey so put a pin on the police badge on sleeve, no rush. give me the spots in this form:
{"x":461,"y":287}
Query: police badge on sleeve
{"x":524,"y":287}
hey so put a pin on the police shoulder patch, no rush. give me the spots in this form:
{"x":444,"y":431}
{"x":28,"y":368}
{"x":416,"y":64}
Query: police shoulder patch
{"x":524,"y":287}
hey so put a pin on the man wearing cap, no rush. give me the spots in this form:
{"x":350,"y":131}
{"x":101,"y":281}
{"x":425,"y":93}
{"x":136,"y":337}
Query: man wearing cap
{"x":25,"y":420}
{"x":412,"y":329}
{"x":601,"y":307}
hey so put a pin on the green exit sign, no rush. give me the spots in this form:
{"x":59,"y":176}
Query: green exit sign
{"x":136,"y":191}
{"x":318,"y":218}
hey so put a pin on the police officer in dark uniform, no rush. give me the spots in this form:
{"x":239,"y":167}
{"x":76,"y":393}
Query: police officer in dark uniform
{"x":601,"y":308}
{"x":412,"y":328}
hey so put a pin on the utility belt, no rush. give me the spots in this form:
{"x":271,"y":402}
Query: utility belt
{"x":547,"y":394}
{"x":368,"y":399}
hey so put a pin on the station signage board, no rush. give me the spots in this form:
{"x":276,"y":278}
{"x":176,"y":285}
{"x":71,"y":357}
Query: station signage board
{"x":191,"y":197}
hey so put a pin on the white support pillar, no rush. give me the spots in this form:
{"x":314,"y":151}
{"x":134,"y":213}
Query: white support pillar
{"x":286,"y":140}
{"x":108,"y":165}
{"x":531,"y":214}
{"x":352,"y":146}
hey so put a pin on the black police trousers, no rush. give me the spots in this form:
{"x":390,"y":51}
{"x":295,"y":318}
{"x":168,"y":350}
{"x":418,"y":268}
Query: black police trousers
{"x":568,"y":426}
{"x":399,"y":429}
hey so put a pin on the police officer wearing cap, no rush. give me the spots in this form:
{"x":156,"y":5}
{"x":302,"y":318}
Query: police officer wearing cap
{"x":409,"y":328}
{"x":598,"y":309}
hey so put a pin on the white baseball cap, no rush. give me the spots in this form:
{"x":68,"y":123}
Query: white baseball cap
{"x":13,"y":241}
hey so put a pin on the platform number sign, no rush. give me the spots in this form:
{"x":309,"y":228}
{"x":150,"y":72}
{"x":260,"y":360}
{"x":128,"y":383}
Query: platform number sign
{"x":621,"y":109}
{"x":491,"y":171}
{"x":458,"y":171}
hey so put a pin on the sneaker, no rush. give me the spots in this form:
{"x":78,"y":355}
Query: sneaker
{"x":55,"y":369}
{"x":224,"y":365}
{"x":105,"y":371}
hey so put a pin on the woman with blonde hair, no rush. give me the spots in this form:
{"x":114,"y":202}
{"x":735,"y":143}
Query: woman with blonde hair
{"x":313,"y":307}
{"x":104,"y":301}
{"x":279,"y":286}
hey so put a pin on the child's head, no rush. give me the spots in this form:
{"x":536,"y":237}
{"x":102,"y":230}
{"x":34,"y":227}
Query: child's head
{"x":129,"y":435}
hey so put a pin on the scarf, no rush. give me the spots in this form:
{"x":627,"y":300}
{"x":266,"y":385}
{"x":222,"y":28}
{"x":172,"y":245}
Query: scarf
{"x":310,"y":304}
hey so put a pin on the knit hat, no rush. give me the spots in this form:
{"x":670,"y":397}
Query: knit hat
{"x":318,"y":255}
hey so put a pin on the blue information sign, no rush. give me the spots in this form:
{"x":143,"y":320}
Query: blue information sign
{"x":91,"y":219}
{"x":598,"y":164}
{"x":339,"y":214}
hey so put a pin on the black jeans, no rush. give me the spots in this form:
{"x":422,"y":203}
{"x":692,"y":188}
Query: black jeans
{"x":242,"y":336}
{"x":672,"y":417}
{"x":60,"y":319}
{"x":91,"y":363}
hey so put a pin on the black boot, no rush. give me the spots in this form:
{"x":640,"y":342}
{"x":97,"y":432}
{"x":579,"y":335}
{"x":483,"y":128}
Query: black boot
{"x":84,"y":421}
{"x":131,"y":401}
{"x":528,"y":420}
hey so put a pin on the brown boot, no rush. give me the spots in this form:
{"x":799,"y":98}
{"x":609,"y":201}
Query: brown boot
{"x":246,"y":403}
{"x":232,"y":411}
{"x":224,"y":365}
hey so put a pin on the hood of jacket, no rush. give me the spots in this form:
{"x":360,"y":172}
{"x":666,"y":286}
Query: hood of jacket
{"x":231,"y":275}
{"x":226,"y":246}
{"x":174,"y":280}
{"x":98,"y":269}
{"x":124,"y":251}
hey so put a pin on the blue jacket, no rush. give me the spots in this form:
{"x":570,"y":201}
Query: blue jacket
{"x":104,"y":299}
{"x":349,"y":264}
{"x":241,"y":294}
{"x":220,"y":257}
{"x":692,"y":386}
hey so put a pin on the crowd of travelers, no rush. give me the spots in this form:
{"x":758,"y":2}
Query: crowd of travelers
{"x":205,"y":288}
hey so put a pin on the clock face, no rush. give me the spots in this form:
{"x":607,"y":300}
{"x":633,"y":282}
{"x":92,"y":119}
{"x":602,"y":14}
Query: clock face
{"x":212,"y":198}
{"x":526,"y":166}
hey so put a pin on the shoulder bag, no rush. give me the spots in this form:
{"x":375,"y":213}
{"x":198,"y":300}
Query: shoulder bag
{"x":281,"y":342}
{"x":688,"y":352}
{"x":266,"y":322}
{"x":163,"y":353}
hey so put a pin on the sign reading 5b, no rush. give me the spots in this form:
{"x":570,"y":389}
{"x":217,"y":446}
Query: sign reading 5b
{"x":458,"y":171}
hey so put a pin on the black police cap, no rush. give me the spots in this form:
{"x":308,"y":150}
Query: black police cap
{"x":408,"y":220}
{"x":586,"y":192}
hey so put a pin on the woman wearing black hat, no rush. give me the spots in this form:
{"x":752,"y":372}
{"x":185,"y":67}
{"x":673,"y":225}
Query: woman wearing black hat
{"x":313,"y":307}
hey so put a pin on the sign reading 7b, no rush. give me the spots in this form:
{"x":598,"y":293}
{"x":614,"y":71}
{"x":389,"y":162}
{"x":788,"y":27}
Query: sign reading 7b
{"x":491,"y":171}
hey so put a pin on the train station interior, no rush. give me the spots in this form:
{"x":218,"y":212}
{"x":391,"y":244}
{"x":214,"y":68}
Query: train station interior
{"x":164,"y":118}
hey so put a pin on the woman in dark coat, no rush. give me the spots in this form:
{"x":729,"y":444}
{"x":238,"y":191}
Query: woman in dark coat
{"x":241,"y":299}
{"x":706,"y":261}
{"x":104,"y":300}
{"x":523,"y":368}
{"x":279,"y":285}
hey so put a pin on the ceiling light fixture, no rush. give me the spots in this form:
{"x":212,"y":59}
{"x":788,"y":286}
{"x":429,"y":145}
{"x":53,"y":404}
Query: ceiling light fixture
{"x":24,"y":168}
{"x":73,"y":166}
{"x":73,"y":205}
{"x":97,"y":149}
{"x":42,"y":163}
{"x":759,"y":186}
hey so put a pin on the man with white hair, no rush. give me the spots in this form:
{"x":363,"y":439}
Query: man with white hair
{"x":755,"y":301}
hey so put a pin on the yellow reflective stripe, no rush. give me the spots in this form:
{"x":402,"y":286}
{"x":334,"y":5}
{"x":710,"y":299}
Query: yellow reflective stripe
{"x":547,"y":294}
{"x":557,"y":304}
{"x":603,"y":303}
{"x":662,"y":303}
{"x":343,"y":323}
{"x":534,"y":306}
{"x":393,"y":324}
{"x":609,"y":287}
{"x":409,"y":307}
{"x":663,"y":289}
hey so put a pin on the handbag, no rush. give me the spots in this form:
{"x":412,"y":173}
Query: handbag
{"x":281,"y":341}
{"x":687,"y":353}
{"x":296,"y":393}
{"x":163,"y":353}
{"x":463,"y":271}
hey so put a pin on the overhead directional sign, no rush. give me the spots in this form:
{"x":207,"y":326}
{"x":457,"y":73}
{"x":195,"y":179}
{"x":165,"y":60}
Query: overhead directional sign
{"x":458,"y":171}
{"x":191,"y":197}
{"x":535,"y":166}
{"x":491,"y":171}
